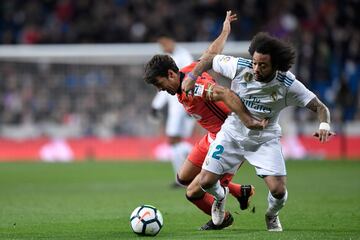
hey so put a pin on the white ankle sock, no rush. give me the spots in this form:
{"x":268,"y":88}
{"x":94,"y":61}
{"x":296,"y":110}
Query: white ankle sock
{"x":275,"y":204}
{"x":216,"y":190}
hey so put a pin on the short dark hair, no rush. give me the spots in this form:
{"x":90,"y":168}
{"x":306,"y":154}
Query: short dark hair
{"x":158,"y":66}
{"x":282,"y":53}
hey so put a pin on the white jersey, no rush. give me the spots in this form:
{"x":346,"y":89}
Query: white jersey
{"x":263,"y":100}
{"x":181,"y":56}
{"x":178,"y":122}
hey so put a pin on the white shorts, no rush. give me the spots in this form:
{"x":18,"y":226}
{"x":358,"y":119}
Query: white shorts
{"x":226,"y":155}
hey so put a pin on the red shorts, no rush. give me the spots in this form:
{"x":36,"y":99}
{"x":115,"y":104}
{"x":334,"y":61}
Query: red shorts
{"x":199,"y":151}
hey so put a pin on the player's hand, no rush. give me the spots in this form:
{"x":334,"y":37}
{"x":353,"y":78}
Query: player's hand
{"x":259,"y":125}
{"x":187,"y":86}
{"x":254,"y":124}
{"x":228,"y":19}
{"x":323,"y":135}
{"x":264,"y":123}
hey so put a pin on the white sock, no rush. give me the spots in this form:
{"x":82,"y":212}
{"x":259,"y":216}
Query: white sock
{"x":275,"y":204}
{"x":216,"y":190}
{"x":179,"y":153}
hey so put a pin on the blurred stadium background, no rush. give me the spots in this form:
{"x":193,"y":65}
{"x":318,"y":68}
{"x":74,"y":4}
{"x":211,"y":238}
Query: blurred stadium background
{"x":71,"y":83}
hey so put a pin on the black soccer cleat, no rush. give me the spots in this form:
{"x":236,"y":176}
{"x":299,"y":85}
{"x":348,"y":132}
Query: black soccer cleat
{"x":246,"y":192}
{"x":228,"y":221}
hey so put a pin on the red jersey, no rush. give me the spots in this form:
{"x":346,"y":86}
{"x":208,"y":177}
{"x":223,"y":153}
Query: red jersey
{"x":210,"y":115}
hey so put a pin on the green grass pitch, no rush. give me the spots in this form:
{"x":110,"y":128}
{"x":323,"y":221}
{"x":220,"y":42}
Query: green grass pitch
{"x":94,"y":200}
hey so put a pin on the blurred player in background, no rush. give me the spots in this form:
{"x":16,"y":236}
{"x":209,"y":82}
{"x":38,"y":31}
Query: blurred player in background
{"x":179,"y":125}
{"x":162,"y":72}
{"x":266,"y":86}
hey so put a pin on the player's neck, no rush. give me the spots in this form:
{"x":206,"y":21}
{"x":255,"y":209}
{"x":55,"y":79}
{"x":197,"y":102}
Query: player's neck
{"x":181,"y":76}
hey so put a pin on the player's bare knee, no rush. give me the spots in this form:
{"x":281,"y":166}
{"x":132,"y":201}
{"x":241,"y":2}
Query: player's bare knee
{"x":180,"y":179}
{"x":194,"y":191}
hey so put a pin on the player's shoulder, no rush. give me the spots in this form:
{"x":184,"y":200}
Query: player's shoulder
{"x":226,"y":59}
{"x":243,"y":65}
{"x":285,"y":78}
{"x":188,"y":68}
{"x":244,"y":62}
{"x":205,"y":78}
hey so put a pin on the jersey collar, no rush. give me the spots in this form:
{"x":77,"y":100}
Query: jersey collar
{"x":182,"y":76}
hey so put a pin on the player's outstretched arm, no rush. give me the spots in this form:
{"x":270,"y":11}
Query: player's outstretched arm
{"x":215,"y":48}
{"x":323,"y":114}
{"x":218,"y":44}
{"x":233,"y":102}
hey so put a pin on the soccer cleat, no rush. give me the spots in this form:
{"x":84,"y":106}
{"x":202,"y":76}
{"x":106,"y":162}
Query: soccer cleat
{"x":273,"y":223}
{"x":228,"y":221}
{"x":218,"y":209}
{"x":246,"y":192}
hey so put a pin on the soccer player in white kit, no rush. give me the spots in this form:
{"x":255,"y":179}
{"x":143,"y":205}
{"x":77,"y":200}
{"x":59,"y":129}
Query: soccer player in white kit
{"x":266,"y":86}
{"x":179,"y":124}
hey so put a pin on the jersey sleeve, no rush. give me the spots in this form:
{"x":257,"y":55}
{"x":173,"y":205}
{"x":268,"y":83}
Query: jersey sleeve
{"x":298,"y":95}
{"x":182,"y":57}
{"x":225,"y":65}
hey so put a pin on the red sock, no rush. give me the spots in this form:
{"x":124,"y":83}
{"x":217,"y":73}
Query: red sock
{"x":234,"y":189}
{"x":204,"y":203}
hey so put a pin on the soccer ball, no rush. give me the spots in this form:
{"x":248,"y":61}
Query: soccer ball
{"x":146,"y":220}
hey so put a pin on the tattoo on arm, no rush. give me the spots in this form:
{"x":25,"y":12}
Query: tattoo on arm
{"x":322,"y":111}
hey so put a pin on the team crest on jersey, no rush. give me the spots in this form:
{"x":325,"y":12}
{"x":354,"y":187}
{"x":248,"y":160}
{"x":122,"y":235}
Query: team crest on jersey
{"x":225,"y":59}
{"x":248,"y":77}
{"x":207,"y":161}
{"x":274,"y":96}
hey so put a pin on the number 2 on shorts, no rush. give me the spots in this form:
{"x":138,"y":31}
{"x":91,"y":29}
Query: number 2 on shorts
{"x":218,"y":152}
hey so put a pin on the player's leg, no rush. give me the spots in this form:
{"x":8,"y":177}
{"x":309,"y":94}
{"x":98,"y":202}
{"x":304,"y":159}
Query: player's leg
{"x":210,"y":183}
{"x":177,"y":128}
{"x":179,"y":151}
{"x":204,"y":202}
{"x":270,"y":164}
{"x":197,"y":157}
{"x":222,"y":157}
{"x":188,"y":176}
{"x":194,"y":193}
{"x":277,"y":197}
{"x":187,"y":172}
{"x":192,"y":165}
{"x":198,"y":197}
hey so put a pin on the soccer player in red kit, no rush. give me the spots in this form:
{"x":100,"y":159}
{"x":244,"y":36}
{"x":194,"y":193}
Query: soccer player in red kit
{"x":162,"y":72}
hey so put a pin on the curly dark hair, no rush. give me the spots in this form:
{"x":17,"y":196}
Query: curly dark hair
{"x":282,"y":53}
{"x":158,"y":66}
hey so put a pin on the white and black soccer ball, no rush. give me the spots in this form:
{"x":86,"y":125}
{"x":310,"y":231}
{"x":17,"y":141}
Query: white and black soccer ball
{"x":146,"y":220}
